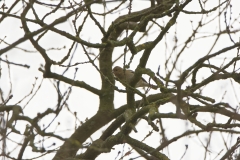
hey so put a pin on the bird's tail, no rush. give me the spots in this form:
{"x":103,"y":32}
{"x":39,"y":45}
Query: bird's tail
{"x":153,"y":86}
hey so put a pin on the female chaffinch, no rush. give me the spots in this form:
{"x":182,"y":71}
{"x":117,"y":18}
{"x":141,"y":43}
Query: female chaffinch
{"x":127,"y":75}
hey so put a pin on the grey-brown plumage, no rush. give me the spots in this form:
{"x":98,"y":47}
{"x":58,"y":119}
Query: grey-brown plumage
{"x":127,"y":75}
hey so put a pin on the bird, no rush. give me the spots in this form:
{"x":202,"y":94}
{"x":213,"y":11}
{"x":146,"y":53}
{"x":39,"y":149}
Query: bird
{"x":127,"y":75}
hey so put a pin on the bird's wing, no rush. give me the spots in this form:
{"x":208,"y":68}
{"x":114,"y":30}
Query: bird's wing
{"x":141,"y":77}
